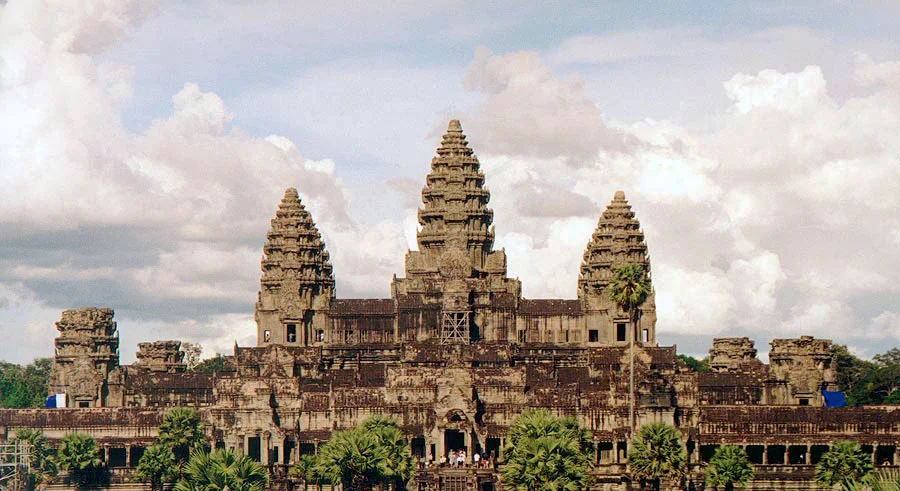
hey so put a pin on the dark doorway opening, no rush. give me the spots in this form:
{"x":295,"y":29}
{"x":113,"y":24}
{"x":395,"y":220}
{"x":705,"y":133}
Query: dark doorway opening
{"x":418,"y":447}
{"x":816,"y":452}
{"x":755,"y":454}
{"x":884,"y":455}
{"x":776,"y":454}
{"x":492,"y":447}
{"x":454,"y":440}
{"x":118,"y":456}
{"x":797,"y":454}
{"x":253,"y":450}
{"x":307,"y":449}
{"x":289,"y":446}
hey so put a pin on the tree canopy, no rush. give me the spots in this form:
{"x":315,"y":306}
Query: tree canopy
{"x":844,"y":463}
{"x":545,"y":452}
{"x":80,"y":455}
{"x":220,"y":470}
{"x":728,"y":467}
{"x":657,"y":453}
{"x":24,"y":386}
{"x":373,"y":454}
{"x":868,"y":382}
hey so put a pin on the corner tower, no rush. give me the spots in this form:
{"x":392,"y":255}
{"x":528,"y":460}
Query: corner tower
{"x":297,"y":283}
{"x":617,"y":240}
{"x":456,"y":274}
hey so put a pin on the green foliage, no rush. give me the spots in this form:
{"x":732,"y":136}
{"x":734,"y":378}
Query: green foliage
{"x":400,"y":463}
{"x":844,"y":463}
{"x":374,"y":453}
{"x":694,"y":364}
{"x":545,"y":452}
{"x":880,"y":480}
{"x":656,"y":453}
{"x":630,"y":286}
{"x":214,"y":365}
{"x":181,"y":431}
{"x":221,"y":469}
{"x":157,"y":464}
{"x":80,"y":455}
{"x":868,"y":382}
{"x":24,"y":386}
{"x":728,"y":467}
{"x":43,"y":464}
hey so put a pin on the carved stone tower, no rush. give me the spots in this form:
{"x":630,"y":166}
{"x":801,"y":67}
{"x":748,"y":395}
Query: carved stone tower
{"x":455,"y":271}
{"x":87,"y":352}
{"x":617,"y":240}
{"x":297,"y":283}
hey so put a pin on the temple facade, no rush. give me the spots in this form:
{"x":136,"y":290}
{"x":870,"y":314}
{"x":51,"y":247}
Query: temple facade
{"x":454,"y":355}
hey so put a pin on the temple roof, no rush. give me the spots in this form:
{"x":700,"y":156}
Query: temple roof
{"x":617,"y":240}
{"x":294,"y":253}
{"x":455,"y":200}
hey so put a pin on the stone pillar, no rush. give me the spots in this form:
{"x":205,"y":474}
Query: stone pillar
{"x":765,"y":454}
{"x":442,"y":451}
{"x":467,"y":441}
{"x":264,"y":448}
{"x":807,"y":458}
{"x":128,"y":456}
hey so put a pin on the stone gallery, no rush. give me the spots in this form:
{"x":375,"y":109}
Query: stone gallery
{"x":454,"y":355}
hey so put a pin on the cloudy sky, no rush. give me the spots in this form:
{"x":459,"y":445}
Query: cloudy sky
{"x":144,"y":147}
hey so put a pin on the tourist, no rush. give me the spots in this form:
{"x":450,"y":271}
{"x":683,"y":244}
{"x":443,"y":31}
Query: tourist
{"x":461,"y":457}
{"x":452,"y":458}
{"x":443,"y":461}
{"x":476,"y":459}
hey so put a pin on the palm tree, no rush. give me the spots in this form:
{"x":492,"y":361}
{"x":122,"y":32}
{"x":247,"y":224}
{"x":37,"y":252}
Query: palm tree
{"x":546,"y":453}
{"x":80,"y":455}
{"x":182,"y":431}
{"x":354,"y":459}
{"x":220,"y":470}
{"x":156,"y":465}
{"x":400,"y":465}
{"x":844,"y":463}
{"x":43,"y":466}
{"x":629,"y":288}
{"x":880,"y":480}
{"x":729,"y":466}
{"x":656,"y":453}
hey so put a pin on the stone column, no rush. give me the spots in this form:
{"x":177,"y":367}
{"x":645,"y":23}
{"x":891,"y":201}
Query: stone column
{"x":128,"y":456}
{"x":264,"y":448}
{"x":807,"y":458}
{"x":765,"y":454}
{"x":106,"y":454}
{"x":467,"y":441}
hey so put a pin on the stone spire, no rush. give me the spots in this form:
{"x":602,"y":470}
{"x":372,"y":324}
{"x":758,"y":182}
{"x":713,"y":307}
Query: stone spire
{"x":455,"y":213}
{"x":618,"y":239}
{"x":297,"y":276}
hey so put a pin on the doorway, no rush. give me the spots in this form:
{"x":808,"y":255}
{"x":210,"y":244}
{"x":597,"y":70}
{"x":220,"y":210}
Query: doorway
{"x":454,"y":440}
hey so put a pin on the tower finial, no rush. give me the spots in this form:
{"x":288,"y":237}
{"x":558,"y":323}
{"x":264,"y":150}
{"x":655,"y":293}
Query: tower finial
{"x":454,"y":125}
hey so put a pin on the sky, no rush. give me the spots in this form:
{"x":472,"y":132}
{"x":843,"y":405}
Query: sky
{"x":145,"y":145}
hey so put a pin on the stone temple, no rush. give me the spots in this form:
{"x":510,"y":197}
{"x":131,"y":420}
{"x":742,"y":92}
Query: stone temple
{"x":454,"y":355}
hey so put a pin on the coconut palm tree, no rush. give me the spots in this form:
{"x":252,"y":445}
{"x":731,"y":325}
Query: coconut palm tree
{"x":156,"y":465}
{"x":80,"y":455}
{"x":220,"y":470}
{"x":728,"y":467}
{"x":656,"y":453}
{"x":544,"y":452}
{"x":629,"y":288}
{"x":844,"y":463}
{"x":181,"y":431}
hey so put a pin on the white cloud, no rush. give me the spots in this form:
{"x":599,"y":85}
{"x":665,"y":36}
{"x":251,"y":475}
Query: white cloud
{"x":884,"y":326}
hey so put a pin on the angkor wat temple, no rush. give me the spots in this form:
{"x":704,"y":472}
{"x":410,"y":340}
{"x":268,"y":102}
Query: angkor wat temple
{"x":454,"y":355}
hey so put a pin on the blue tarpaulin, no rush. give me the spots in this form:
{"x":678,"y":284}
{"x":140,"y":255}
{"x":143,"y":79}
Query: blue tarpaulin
{"x":834,"y":399}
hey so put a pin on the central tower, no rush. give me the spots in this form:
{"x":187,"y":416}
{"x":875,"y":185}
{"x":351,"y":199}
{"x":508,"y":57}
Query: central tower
{"x":456,"y":274}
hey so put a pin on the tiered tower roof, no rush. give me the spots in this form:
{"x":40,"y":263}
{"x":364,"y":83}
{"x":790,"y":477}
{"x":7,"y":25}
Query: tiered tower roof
{"x":617,"y":240}
{"x":295,"y":260}
{"x":455,"y":212}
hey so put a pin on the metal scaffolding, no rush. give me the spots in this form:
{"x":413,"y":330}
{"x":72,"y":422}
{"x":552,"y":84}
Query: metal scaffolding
{"x":455,"y":327}
{"x":15,"y":460}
